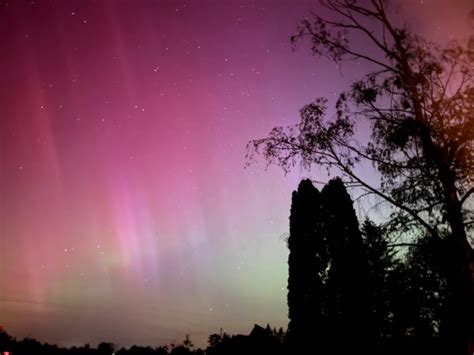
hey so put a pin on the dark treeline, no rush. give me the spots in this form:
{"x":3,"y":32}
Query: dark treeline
{"x":348,"y":289}
{"x":260,"y":341}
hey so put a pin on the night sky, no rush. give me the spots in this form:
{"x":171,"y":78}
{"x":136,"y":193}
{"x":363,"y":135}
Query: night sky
{"x":126,"y":213}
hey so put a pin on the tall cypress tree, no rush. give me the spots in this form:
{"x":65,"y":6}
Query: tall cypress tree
{"x":305,"y":262}
{"x":347,"y":269}
{"x":328,"y":271}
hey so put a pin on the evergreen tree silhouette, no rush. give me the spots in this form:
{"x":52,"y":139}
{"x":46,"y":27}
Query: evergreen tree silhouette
{"x":380,"y":285}
{"x":328,"y":272}
{"x":418,"y":296}
{"x":347,"y":270}
{"x":306,"y":262}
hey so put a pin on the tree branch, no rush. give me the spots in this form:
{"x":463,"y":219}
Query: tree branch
{"x":396,"y":245}
{"x":395,"y":203}
{"x":466,"y":196}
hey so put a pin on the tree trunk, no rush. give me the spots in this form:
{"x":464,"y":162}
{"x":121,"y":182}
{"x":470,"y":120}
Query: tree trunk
{"x":458,"y":323}
{"x":459,"y":318}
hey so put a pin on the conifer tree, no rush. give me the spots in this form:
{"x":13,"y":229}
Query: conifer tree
{"x":328,"y":273}
{"x":305,"y":264}
{"x":347,"y":269}
{"x":381,"y":285}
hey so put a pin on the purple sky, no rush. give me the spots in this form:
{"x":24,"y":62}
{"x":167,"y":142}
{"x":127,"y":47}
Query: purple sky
{"x":126,"y":213}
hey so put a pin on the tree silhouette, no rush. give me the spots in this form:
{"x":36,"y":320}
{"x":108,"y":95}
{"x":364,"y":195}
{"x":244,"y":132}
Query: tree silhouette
{"x":346,"y":284}
{"x":328,"y":273}
{"x":105,"y":348}
{"x":29,"y":346}
{"x":380,"y":285}
{"x":306,"y":262}
{"x":419,"y":103}
{"x":416,"y":299}
{"x":259,"y":341}
{"x":347,"y":270}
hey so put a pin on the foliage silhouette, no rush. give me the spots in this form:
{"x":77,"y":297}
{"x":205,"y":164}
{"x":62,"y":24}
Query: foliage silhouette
{"x":380,"y":285}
